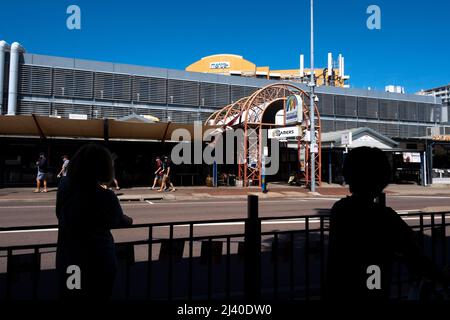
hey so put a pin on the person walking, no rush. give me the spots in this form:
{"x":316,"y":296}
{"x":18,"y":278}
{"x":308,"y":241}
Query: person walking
{"x":42,"y":172}
{"x":65,"y":165}
{"x":158,"y":173}
{"x":166,"y":169}
{"x":86,"y":213}
{"x":115,"y":170}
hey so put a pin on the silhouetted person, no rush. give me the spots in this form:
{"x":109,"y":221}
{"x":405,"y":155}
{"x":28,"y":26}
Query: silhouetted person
{"x":86,"y":212}
{"x":42,"y":173}
{"x":364,"y":233}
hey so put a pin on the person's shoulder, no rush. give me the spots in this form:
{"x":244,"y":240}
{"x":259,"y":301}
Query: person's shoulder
{"x":342,"y":203}
{"x":107,"y":194}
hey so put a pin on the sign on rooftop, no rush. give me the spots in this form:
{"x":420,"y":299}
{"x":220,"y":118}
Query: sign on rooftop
{"x":220,"y":65}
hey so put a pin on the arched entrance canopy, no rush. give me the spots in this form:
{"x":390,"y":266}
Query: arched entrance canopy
{"x":257,"y":112}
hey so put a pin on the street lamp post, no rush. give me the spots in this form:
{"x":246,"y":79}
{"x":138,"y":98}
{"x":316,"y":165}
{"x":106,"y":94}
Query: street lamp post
{"x":312,"y":84}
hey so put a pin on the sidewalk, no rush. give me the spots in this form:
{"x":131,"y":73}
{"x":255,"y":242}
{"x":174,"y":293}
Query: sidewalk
{"x":202,"y":192}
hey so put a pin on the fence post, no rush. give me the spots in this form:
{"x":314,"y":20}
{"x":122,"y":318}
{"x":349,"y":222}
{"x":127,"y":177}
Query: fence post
{"x":252,"y":264}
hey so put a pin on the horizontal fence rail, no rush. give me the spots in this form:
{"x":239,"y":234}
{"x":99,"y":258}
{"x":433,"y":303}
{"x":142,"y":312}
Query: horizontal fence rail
{"x":186,"y":260}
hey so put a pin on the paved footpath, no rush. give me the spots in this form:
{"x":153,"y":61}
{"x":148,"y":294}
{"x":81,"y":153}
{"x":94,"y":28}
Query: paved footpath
{"x":205,"y":193}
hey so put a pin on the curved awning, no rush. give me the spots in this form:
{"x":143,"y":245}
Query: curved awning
{"x":49,"y":127}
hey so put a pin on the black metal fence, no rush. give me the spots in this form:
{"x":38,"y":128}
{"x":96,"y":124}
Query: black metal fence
{"x":190,"y":260}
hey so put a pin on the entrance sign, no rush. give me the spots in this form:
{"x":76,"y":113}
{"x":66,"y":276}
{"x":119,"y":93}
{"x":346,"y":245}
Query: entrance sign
{"x":294,"y":112}
{"x":287,"y":132}
{"x":411,"y":157}
{"x":346,"y":138}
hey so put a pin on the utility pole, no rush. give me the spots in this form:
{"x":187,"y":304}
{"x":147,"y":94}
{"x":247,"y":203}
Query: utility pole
{"x":312,"y":84}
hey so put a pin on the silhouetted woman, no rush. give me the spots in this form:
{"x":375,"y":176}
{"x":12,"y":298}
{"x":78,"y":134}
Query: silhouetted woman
{"x":86,"y":212}
{"x":364,"y":233}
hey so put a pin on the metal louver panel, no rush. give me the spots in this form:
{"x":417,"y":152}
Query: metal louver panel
{"x":250,"y":90}
{"x":146,"y":89}
{"x":103,"y":86}
{"x":237,"y":92}
{"x":390,"y":130}
{"x":122,"y":87}
{"x":351,"y":106}
{"x":112,"y":86}
{"x":327,"y":104}
{"x":339,"y":105}
{"x":388,"y":110}
{"x":32,"y":107}
{"x":63,"y":83}
{"x":182,"y":116}
{"x":340,"y":125}
{"x":327,"y":125}
{"x":83,"y":84}
{"x":351,"y":124}
{"x":183,"y":92}
{"x":371,"y":125}
{"x":110,"y":112}
{"x":35,"y":80}
{"x":204,"y":116}
{"x":372,"y":108}
{"x":403,"y":131}
{"x":214,"y":94}
{"x":65,"y":109}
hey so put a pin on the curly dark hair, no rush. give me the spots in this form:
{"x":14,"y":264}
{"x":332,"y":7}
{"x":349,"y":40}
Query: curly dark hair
{"x":367,"y":171}
{"x":92,"y":164}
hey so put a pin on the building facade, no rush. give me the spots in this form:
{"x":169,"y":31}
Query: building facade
{"x":83,"y":89}
{"x":55,"y":86}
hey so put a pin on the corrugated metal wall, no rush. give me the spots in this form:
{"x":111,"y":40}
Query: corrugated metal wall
{"x":180,"y":100}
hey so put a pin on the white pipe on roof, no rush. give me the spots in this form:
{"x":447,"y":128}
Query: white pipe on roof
{"x":302,"y":65}
{"x":16,"y":49}
{"x":330,"y":64}
{"x":340,"y":64}
{"x":3,"y":48}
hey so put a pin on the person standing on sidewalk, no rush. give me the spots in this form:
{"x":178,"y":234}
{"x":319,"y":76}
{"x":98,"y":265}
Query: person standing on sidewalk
{"x":86,"y":213}
{"x":42,"y":172}
{"x":158,"y":172}
{"x":366,"y":236}
{"x":65,"y":165}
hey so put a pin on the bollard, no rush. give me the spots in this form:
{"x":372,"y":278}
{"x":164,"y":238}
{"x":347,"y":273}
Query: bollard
{"x":381,"y":199}
{"x":252,"y":266}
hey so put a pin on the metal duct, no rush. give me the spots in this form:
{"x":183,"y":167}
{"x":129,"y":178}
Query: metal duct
{"x":16,"y":49}
{"x":3,"y":48}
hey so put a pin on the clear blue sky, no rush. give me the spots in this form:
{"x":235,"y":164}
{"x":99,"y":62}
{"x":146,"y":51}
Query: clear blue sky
{"x":411,"y":49}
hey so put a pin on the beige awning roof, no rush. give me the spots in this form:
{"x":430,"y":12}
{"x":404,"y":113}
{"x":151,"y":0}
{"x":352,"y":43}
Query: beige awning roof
{"x":48,"y":127}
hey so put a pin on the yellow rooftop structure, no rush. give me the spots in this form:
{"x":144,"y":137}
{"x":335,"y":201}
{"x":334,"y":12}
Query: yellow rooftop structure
{"x":236,"y":65}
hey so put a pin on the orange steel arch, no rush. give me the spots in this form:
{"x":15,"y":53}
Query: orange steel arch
{"x":248,"y":113}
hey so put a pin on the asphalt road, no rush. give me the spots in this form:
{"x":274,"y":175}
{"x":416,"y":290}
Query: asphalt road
{"x":17,"y":213}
